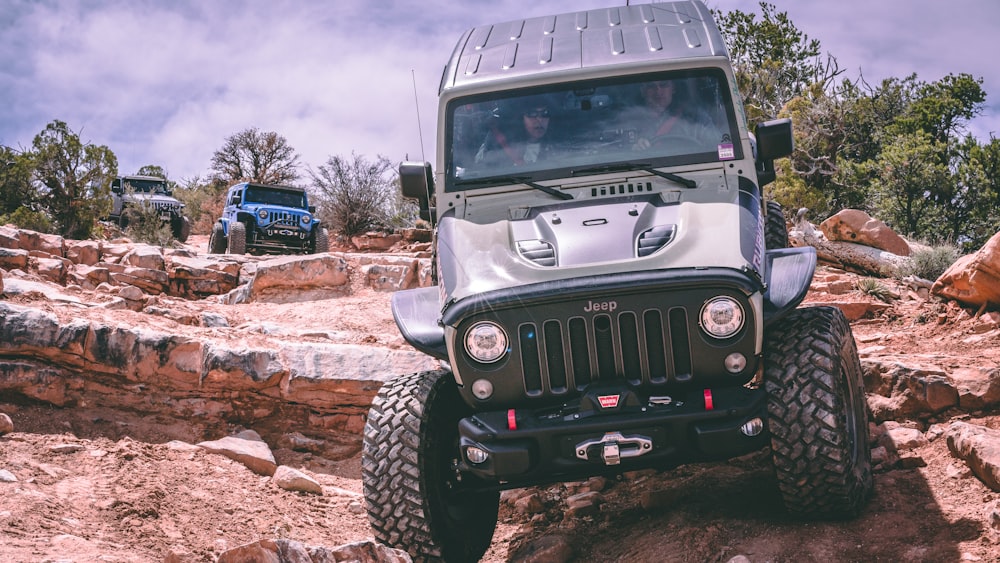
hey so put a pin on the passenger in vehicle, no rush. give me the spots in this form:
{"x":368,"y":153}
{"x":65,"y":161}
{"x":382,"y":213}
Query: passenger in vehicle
{"x":527,"y":141}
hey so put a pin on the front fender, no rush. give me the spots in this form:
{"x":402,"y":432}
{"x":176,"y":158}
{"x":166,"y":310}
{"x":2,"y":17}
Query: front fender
{"x":417,"y":313}
{"x":789,"y":273}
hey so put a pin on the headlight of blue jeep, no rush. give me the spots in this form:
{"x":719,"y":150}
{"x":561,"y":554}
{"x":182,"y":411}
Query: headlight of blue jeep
{"x":306,"y":219}
{"x":486,"y":342}
{"x":721,"y":317}
{"x":262,"y":214}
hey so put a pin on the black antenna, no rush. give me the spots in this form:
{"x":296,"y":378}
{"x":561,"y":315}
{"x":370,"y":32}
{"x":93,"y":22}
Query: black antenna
{"x":416,"y":102}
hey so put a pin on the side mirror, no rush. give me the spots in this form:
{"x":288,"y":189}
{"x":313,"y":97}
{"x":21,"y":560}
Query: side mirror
{"x":774,"y":140}
{"x":312,"y":209}
{"x":417,"y":182}
{"x":116,"y":186}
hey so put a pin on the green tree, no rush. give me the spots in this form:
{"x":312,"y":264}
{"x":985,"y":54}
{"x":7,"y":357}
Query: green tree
{"x":941,"y":109}
{"x":15,"y":181}
{"x":257,"y":156}
{"x":773,"y":60}
{"x":906,"y":172}
{"x":74,"y":179}
{"x":152,"y":170}
{"x":971,"y":219}
{"x":354,"y":195}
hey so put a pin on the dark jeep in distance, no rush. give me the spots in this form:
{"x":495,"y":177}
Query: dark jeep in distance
{"x":614,"y":292}
{"x":129,"y":191}
{"x":266,"y":219}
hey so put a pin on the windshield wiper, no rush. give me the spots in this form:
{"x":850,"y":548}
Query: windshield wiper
{"x":496,"y":180}
{"x":644,"y":166}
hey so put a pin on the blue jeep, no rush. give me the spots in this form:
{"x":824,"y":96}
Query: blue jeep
{"x":264,"y":219}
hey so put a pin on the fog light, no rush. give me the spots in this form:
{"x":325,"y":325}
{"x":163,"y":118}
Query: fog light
{"x":752,"y":427}
{"x":482,"y":389}
{"x":735,"y":362}
{"x":476,"y":455}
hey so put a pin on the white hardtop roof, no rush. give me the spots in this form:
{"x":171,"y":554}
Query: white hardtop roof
{"x":636,"y":34}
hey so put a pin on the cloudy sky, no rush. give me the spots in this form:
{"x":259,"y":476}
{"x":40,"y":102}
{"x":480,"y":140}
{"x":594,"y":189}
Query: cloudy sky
{"x":165,"y":82}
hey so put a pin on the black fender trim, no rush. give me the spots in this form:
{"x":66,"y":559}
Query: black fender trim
{"x":789,"y":273}
{"x":416,"y":312}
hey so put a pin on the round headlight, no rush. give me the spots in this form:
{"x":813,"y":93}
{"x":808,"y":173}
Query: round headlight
{"x":486,"y":342}
{"x":306,"y":219}
{"x":722,"y":317}
{"x":262,"y":214}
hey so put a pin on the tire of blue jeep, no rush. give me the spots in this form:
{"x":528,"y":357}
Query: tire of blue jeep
{"x":415,"y":500}
{"x":237,"y":238}
{"x":322,"y":242}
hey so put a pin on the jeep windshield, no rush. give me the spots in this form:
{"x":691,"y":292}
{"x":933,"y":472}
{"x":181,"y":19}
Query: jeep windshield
{"x":146,"y":186}
{"x":635,"y":122}
{"x":275,"y":196}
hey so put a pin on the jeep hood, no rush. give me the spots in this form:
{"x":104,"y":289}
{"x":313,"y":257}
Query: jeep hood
{"x":154,"y":199}
{"x":568,"y":240}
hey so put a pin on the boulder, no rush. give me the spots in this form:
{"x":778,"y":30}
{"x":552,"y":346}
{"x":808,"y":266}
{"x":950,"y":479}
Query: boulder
{"x":84,"y":252}
{"x":144,"y":256}
{"x":979,"y":447}
{"x":13,"y":259}
{"x":375,"y":241}
{"x":390,"y":277}
{"x":246,"y":447}
{"x":42,"y":242}
{"x":974,"y":279}
{"x":294,"y":480}
{"x":289,"y":551}
{"x":52,"y":269}
{"x":854,"y":225}
{"x":292,"y":279}
{"x":9,"y":238}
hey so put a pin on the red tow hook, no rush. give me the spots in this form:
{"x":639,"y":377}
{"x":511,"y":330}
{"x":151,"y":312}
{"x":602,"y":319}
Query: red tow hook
{"x":511,"y":420}
{"x":708,"y":400}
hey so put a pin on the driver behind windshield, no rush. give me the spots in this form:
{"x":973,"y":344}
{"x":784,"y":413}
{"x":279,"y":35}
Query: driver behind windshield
{"x":664,"y":117}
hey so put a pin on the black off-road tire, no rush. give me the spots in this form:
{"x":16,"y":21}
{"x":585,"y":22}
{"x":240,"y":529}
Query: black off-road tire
{"x":237,"y":238}
{"x":217,"y":240}
{"x":181,"y":229}
{"x":775,"y":229}
{"x":322,"y":242}
{"x":415,"y":503}
{"x":817,"y":414}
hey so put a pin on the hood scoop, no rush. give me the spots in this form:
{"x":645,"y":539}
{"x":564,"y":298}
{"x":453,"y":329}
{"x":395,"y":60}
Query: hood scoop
{"x":592,"y":231}
{"x":655,"y":239}
{"x":538,"y":251}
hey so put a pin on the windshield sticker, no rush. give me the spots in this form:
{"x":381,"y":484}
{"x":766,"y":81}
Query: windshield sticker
{"x":726,"y":151}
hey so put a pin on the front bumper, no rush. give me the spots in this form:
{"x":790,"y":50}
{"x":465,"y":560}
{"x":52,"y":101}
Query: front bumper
{"x":526,"y":447}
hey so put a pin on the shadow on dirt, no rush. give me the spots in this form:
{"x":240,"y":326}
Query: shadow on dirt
{"x":714,"y":512}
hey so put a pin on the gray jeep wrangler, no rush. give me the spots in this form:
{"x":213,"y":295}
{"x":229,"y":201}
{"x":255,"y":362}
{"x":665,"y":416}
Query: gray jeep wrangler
{"x":620,"y":299}
{"x":266,"y":219}
{"x":129,"y":191}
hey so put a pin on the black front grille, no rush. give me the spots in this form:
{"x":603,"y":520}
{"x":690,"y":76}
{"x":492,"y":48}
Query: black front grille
{"x":648,"y":347}
{"x":282,"y":218}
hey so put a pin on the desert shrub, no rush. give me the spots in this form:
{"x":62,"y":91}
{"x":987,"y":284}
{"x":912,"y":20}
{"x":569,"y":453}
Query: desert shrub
{"x":874,"y":288}
{"x":930,"y":263}
{"x":32,"y":220}
{"x":145,"y":225}
{"x":203,"y":202}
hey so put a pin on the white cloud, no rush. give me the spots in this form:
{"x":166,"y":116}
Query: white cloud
{"x":166,"y":83}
